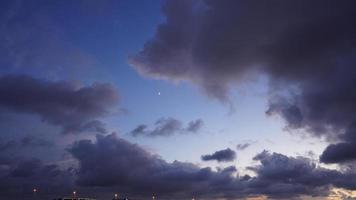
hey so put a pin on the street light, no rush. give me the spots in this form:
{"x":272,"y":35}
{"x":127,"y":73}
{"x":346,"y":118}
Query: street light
{"x":34,"y":190}
{"x":116,"y":195}
{"x":74,"y":194}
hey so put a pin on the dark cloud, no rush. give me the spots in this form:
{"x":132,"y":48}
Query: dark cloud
{"x":139,"y":130}
{"x":282,"y":176}
{"x":167,"y":127}
{"x":71,"y":107}
{"x":344,"y":151}
{"x":306,"y":48}
{"x":224,"y":39}
{"x":18,"y":178}
{"x":195,"y":126}
{"x":340,"y":152}
{"x":225,"y":155}
{"x":243,"y":146}
{"x":112,"y":162}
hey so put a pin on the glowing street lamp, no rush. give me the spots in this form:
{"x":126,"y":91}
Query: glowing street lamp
{"x":74,"y":194}
{"x":153,"y":197}
{"x":116,"y":196}
{"x":34,"y":190}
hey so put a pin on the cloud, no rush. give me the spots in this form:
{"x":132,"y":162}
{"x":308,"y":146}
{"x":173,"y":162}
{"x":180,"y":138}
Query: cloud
{"x":112,"y":162}
{"x":195,"y":126}
{"x":18,"y":178}
{"x":225,"y":155}
{"x":344,"y":151}
{"x":223,"y":40}
{"x":243,"y":146}
{"x":338,"y":153}
{"x":282,"y":176}
{"x":61,"y":103}
{"x":307,"y":50}
{"x":167,"y":127}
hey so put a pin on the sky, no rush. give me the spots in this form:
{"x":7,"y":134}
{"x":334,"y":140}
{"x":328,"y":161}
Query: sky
{"x":178,"y":99}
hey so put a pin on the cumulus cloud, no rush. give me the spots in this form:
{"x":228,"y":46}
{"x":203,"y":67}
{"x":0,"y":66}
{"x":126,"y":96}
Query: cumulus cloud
{"x":225,"y":155}
{"x":61,"y":103}
{"x":282,"y":176}
{"x":336,"y":153}
{"x":307,"y":46}
{"x":113,"y":162}
{"x":167,"y":127}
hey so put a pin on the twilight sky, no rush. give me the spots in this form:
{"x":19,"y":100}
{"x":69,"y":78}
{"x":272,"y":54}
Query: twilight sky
{"x":204,"y":99}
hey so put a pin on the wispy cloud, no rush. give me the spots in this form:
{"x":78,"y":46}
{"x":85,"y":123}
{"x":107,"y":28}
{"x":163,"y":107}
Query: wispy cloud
{"x":167,"y":127}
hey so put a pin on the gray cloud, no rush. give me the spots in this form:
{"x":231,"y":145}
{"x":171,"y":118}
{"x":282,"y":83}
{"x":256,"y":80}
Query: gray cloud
{"x":112,"y":162}
{"x":340,"y":152}
{"x":195,"y":126}
{"x":306,"y":49}
{"x":71,"y":107}
{"x":224,"y":39}
{"x":167,"y":127}
{"x":242,"y":146}
{"x":18,"y":178}
{"x":131,"y":168}
{"x":343,"y":151}
{"x":282,"y":176}
{"x":225,"y":155}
